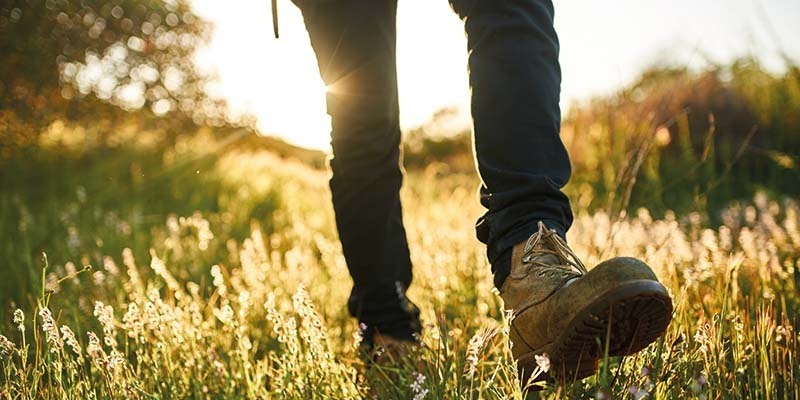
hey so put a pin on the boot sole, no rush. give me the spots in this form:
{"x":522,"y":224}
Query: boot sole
{"x":626,"y":318}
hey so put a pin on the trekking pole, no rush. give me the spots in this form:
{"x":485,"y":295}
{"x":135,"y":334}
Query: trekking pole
{"x":275,"y":18}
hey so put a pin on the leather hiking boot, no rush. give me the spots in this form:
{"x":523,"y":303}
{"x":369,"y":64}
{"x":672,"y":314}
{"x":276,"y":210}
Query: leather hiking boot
{"x":571,"y":314}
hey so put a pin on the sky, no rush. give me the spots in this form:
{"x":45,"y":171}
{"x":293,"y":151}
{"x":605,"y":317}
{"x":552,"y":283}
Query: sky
{"x":604,"y":45}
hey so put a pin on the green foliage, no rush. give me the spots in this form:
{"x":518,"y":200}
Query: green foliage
{"x":92,"y":60}
{"x":436,"y":143}
{"x":673,"y":140}
{"x":83,"y":203}
{"x":685,"y":141}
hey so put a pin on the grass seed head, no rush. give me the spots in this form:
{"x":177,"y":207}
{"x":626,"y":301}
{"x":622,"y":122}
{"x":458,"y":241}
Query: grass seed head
{"x":50,"y":330}
{"x":19,"y":320}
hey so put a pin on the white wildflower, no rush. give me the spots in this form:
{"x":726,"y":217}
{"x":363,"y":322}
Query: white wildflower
{"x":637,"y":393}
{"x":69,"y":338}
{"x":110,"y":266}
{"x":94,"y":349}
{"x":783,"y":332}
{"x":19,"y":320}
{"x":105,"y":314}
{"x":131,"y":321}
{"x":698,"y":386}
{"x":99,"y":278}
{"x":158,"y":266}
{"x":225,"y":315}
{"x":543,"y":361}
{"x":115,"y":362}
{"x":219,"y":280}
{"x":7,"y":347}
{"x":51,"y":331}
{"x":476,"y":344}
{"x":418,"y":386}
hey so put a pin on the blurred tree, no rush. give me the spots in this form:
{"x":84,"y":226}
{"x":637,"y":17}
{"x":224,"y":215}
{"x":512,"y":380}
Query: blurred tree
{"x":91,"y":59}
{"x":675,"y":139}
{"x":689,"y":140}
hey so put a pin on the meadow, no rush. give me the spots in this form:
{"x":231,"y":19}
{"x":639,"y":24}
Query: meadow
{"x":209,"y":270}
{"x":154,"y":246}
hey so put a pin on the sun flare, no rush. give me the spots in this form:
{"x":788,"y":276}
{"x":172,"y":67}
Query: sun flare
{"x":277,"y":81}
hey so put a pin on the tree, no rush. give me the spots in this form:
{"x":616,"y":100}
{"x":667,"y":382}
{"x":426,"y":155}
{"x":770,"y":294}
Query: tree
{"x":89,"y":59}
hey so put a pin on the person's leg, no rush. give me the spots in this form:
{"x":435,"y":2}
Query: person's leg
{"x":354,"y":41}
{"x":516,"y":83}
{"x":559,"y":307}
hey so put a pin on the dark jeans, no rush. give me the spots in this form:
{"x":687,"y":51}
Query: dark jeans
{"x":515,"y":79}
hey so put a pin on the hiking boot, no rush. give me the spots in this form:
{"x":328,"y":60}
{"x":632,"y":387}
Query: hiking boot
{"x":385,"y":350}
{"x":575,"y":316}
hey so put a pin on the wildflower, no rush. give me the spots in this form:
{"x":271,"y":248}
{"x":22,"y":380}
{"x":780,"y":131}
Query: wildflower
{"x":637,"y":393}
{"x":7,"y":347}
{"x":94,"y":349}
{"x":476,"y":344}
{"x":418,"y":386}
{"x":115,"y":362}
{"x":19,"y":320}
{"x":702,"y":337}
{"x":110,"y":266}
{"x":105,"y":315}
{"x":698,"y":385}
{"x":158,"y":266}
{"x":204,"y":234}
{"x":225,"y":315}
{"x":358,"y":335}
{"x":219,"y":281}
{"x":50,"y":330}
{"x":783,"y":332}
{"x":648,"y":383}
{"x":69,"y":338}
{"x":543,"y":361}
{"x":132,"y":322}
{"x":130,"y":265}
{"x":99,"y":278}
{"x":602,"y":395}
{"x":244,"y":303}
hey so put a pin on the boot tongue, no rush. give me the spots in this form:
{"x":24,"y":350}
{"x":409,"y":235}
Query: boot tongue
{"x":537,"y":271}
{"x":546,"y":252}
{"x":547,"y":258}
{"x":541,"y":275}
{"x":551,"y":249}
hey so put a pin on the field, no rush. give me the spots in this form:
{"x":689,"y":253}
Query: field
{"x":153,"y":245}
{"x":204,"y":271}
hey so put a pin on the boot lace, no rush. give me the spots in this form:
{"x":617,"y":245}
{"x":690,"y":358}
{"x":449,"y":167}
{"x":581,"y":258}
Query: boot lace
{"x":553,"y":244}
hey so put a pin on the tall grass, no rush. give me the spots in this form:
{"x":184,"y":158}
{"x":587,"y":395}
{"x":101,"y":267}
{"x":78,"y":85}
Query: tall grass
{"x":207,"y":302}
{"x":692,"y":140}
{"x":675,"y":139}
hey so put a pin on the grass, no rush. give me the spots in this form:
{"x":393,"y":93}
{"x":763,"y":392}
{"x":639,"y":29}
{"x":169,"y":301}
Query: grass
{"x":217,"y":274}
